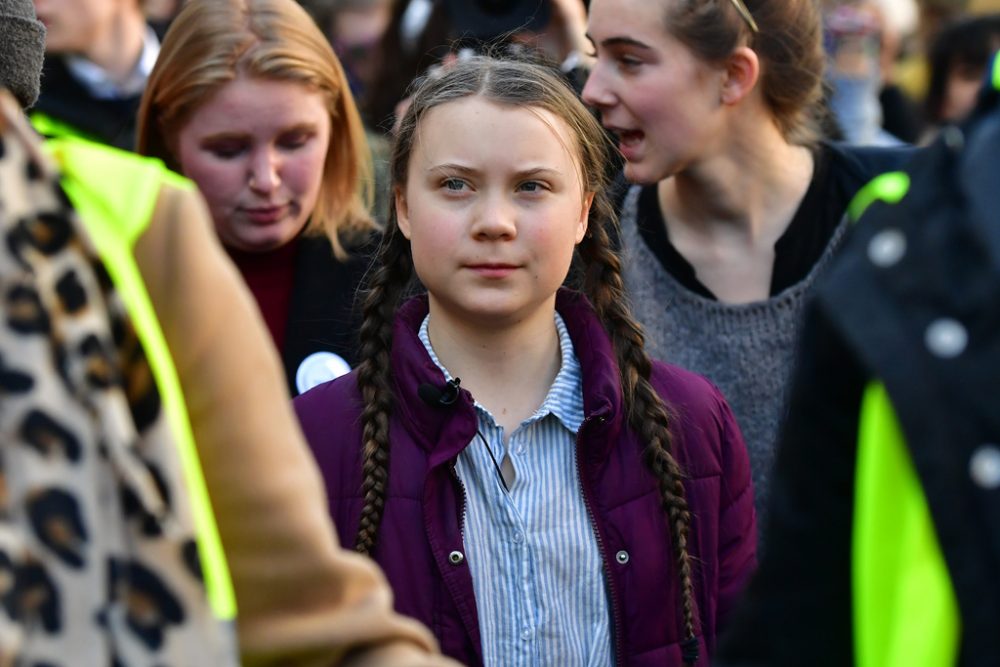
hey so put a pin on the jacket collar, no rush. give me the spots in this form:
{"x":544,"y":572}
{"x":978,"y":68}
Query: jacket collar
{"x":445,"y":431}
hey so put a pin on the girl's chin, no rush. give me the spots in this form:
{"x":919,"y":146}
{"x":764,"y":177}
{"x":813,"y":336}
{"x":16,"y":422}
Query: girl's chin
{"x":639,"y":174}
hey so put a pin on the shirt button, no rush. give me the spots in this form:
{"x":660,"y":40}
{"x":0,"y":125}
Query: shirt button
{"x":887,"y":247}
{"x":946,"y":338}
{"x":621,"y":557}
{"x":526,"y":634}
{"x":984,"y":467}
{"x":456,"y":557}
{"x":518,"y":538}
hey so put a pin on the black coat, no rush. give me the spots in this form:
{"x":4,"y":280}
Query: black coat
{"x":871,"y":320}
{"x":324,"y":312}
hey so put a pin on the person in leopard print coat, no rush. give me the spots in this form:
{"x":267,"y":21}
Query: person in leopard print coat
{"x":98,"y":556}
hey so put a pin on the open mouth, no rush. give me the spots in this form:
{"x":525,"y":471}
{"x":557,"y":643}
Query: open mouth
{"x":630,"y":137}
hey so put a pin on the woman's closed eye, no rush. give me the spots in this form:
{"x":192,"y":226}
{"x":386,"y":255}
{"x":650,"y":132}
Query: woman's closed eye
{"x":226,"y":148}
{"x":295,"y":140}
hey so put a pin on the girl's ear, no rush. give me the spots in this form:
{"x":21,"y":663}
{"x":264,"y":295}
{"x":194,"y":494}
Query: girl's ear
{"x":742,"y":72}
{"x":584,"y":221}
{"x":402,"y":211}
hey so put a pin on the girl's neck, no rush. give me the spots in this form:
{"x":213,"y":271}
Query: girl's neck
{"x":117,"y":53}
{"x":725,"y":214}
{"x":508,"y":369}
{"x":753,"y":187}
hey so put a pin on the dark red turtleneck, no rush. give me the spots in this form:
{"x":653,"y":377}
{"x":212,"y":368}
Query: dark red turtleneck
{"x":270,"y":277}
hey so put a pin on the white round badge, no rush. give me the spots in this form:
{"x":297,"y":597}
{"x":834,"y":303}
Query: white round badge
{"x":319,"y":367}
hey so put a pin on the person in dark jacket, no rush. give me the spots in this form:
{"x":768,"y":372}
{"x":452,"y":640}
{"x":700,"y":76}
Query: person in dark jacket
{"x":99,"y":54}
{"x":250,"y":102}
{"x":883,"y":547}
{"x":537,"y":489}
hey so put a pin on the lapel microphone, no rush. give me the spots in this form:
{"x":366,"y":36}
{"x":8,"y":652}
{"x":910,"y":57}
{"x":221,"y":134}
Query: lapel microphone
{"x":439,"y":397}
{"x":445,"y":397}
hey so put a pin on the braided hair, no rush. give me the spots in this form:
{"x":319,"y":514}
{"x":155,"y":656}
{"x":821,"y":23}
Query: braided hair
{"x":596,"y":272}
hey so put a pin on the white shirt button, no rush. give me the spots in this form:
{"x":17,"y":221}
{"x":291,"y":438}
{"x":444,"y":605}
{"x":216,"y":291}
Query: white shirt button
{"x":887,"y":247}
{"x":946,"y":338}
{"x":526,"y":634}
{"x":518,"y":538}
{"x":984,"y":467}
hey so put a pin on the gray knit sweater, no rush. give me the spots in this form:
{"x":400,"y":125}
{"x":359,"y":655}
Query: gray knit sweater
{"x":746,"y":349}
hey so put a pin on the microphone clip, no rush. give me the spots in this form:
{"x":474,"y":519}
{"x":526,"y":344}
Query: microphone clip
{"x":440,"y":397}
{"x":450,"y":393}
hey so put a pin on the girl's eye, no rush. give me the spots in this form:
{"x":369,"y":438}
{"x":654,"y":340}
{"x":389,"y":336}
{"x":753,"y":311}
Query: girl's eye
{"x":454,"y":184}
{"x":532,"y":186}
{"x":226,"y":149}
{"x":294,"y":140}
{"x":628,"y":62}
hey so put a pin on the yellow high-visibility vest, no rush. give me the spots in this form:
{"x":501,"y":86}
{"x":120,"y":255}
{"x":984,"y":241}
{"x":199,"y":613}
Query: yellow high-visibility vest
{"x":115,"y":194}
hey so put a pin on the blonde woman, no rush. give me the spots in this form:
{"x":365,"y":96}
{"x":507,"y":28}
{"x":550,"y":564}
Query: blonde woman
{"x":248,"y":100}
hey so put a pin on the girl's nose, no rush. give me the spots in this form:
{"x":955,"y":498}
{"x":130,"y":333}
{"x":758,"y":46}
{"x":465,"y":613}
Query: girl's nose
{"x":264,"y":176}
{"x":596,"y":92}
{"x":494,"y":218}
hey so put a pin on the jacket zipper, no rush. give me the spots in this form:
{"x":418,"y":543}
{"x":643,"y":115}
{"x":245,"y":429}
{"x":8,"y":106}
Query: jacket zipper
{"x":616,"y":611}
{"x":461,"y":523}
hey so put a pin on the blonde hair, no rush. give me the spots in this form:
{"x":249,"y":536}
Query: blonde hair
{"x":212,"y":42}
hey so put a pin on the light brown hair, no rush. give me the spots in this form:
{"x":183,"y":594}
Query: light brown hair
{"x":788,"y":42}
{"x":212,"y":42}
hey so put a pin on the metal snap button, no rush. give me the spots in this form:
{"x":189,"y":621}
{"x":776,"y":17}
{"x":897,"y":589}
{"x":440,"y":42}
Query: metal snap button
{"x":887,"y":247}
{"x":984,"y":467}
{"x":953,"y":138}
{"x":621,"y":557}
{"x":946,"y":338}
{"x":456,"y":557}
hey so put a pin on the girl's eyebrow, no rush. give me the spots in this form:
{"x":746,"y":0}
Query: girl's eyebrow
{"x":622,"y":41}
{"x":229,"y":134}
{"x":452,"y":168}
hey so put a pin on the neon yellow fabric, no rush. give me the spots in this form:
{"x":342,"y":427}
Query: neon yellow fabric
{"x":889,"y":187}
{"x":115,"y":194}
{"x":996,"y":71}
{"x":48,"y":126}
{"x":905,"y":610}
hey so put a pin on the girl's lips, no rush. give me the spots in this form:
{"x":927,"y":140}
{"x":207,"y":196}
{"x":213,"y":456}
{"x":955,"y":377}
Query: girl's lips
{"x":629,"y":143}
{"x":263,"y":215}
{"x":492,"y":270}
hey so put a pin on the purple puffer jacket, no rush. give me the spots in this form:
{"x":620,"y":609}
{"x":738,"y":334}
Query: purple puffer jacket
{"x":424,"y":503}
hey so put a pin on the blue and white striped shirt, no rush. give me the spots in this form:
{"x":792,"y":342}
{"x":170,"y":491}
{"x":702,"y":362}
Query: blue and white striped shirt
{"x":535,"y":564}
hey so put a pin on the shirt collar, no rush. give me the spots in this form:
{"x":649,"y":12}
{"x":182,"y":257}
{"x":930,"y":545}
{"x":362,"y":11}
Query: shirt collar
{"x":564,"y":399}
{"x":95,"y":78}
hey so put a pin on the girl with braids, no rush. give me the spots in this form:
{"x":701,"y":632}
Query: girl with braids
{"x":738,"y":206}
{"x":537,"y":490}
